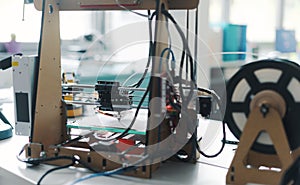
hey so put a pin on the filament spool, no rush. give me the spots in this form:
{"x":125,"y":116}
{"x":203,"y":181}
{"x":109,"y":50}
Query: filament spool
{"x":272,"y":80}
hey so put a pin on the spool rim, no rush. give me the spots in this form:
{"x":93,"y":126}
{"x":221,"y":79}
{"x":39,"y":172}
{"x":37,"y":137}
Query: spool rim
{"x":289,"y":71}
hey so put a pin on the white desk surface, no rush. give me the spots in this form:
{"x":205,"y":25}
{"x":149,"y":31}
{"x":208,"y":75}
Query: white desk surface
{"x":15,"y":172}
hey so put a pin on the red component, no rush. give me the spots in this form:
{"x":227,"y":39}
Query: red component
{"x":127,"y":141}
{"x":125,"y":144}
{"x":169,"y":108}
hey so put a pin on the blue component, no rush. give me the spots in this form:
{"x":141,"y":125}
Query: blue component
{"x":234,"y":42}
{"x":285,"y":41}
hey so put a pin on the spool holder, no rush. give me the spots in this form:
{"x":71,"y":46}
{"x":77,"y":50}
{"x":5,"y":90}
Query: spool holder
{"x":247,"y":165}
{"x":270,"y":108}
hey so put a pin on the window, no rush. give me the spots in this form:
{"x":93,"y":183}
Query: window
{"x":73,"y":24}
{"x":11,"y":15}
{"x":291,"y":17}
{"x":215,"y":12}
{"x":259,"y":16}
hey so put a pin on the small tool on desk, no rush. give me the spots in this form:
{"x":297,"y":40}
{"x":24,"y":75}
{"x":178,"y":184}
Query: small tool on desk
{"x":5,"y":128}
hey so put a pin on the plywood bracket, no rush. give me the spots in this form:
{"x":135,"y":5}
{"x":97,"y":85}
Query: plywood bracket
{"x":252,"y":167}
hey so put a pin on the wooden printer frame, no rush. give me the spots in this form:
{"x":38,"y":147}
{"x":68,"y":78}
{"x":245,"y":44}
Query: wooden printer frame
{"x":49,"y":123}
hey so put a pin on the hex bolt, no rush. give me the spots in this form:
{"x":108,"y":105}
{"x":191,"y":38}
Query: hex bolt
{"x":264,"y":109}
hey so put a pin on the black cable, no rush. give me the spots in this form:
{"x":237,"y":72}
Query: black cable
{"x":189,"y":97}
{"x":152,"y":16}
{"x":125,"y":132}
{"x":196,"y":42}
{"x":157,"y":9}
{"x":215,"y":95}
{"x":169,"y":34}
{"x":4,"y":119}
{"x":184,"y":41}
{"x":208,"y":91}
{"x":187,"y":38}
{"x":74,"y":160}
{"x":221,"y":149}
{"x":150,"y":51}
{"x":211,"y":92}
{"x":185,"y":52}
{"x":120,"y":170}
{"x":52,"y":170}
{"x":37,"y":161}
{"x":178,"y":107}
{"x":151,"y":46}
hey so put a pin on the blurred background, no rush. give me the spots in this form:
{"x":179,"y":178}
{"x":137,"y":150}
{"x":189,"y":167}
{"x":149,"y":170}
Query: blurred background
{"x":230,"y":33}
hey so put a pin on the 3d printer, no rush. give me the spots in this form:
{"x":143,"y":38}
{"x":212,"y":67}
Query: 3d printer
{"x":261,"y":110}
{"x":170,"y":120}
